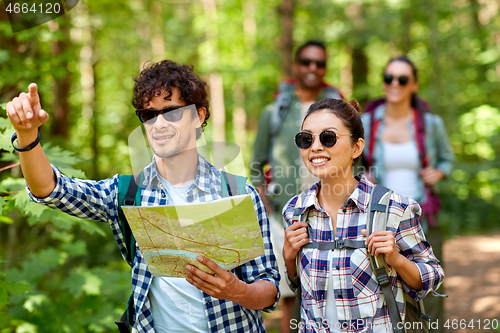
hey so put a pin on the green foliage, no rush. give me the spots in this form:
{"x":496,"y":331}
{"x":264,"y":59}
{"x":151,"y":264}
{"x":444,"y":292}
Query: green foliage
{"x":475,"y":177}
{"x":50,"y":283}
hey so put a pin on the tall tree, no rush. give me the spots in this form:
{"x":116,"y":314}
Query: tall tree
{"x":62,"y":76}
{"x":215,"y":80}
{"x":286,"y":43}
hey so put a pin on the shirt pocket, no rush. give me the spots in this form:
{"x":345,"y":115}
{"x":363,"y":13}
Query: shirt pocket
{"x":314,"y":277}
{"x":364,"y":282}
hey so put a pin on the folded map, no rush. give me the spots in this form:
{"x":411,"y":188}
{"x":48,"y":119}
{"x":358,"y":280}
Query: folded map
{"x":225,"y":231}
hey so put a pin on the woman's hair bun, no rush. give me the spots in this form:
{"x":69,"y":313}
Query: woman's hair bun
{"x":354,"y":103}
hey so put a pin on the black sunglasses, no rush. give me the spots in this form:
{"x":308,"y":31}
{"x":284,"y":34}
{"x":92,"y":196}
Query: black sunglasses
{"x":170,"y":113}
{"x":328,"y":139}
{"x":307,"y":62}
{"x":402,"y":80}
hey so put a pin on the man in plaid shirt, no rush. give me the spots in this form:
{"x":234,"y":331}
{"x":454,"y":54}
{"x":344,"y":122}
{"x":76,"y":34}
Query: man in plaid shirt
{"x":228,"y":301}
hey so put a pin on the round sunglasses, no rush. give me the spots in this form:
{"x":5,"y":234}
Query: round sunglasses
{"x":328,"y":139}
{"x":170,"y":113}
{"x":402,"y":80}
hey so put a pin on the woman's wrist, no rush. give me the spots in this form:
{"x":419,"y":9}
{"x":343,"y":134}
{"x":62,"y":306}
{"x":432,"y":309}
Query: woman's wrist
{"x":396,"y":261}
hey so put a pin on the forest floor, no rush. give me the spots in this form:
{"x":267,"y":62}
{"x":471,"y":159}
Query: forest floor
{"x":472,"y":266}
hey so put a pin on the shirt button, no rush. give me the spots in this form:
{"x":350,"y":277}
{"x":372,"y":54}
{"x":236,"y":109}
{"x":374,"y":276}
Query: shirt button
{"x":163,"y":194}
{"x":338,"y":267}
{"x":340,"y":296}
{"x":141,"y":296}
{"x":344,"y":210}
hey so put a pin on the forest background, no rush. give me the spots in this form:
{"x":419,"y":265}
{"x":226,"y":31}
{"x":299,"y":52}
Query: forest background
{"x":63,"y":274}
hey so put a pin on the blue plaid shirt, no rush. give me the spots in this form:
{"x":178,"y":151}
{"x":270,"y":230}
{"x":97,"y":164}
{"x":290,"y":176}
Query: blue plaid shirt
{"x":98,"y":200}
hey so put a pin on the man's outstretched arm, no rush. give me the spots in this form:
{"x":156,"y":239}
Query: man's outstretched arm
{"x":26,"y":115}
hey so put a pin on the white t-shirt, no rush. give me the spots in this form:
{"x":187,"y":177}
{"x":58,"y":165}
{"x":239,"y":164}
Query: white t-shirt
{"x":331,"y":316}
{"x":401,"y":163}
{"x":176,"y":304}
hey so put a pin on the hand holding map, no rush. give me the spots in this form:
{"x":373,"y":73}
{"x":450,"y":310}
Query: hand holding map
{"x":225,"y":231}
{"x":222,"y":285}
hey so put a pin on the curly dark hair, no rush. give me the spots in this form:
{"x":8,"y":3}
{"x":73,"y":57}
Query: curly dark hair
{"x":156,"y":78}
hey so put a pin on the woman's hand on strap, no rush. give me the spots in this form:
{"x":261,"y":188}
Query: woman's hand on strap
{"x":383,"y":242}
{"x":295,"y":237}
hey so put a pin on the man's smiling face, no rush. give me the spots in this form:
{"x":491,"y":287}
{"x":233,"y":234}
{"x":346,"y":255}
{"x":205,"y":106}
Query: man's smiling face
{"x":169,"y":139}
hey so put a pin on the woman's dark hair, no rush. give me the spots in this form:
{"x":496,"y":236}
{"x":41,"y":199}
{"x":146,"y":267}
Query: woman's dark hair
{"x":316,"y":43}
{"x":156,"y":78}
{"x":416,"y":102}
{"x":348,"y":112}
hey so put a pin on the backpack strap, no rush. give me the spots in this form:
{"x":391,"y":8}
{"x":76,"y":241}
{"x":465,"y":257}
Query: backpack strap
{"x":278,"y":114}
{"x":336,"y":244}
{"x":280,"y":108}
{"x":419,"y":124}
{"x":232,"y":184}
{"x":378,"y":207}
{"x":298,"y":215}
{"x":374,"y":126}
{"x":129,"y":194}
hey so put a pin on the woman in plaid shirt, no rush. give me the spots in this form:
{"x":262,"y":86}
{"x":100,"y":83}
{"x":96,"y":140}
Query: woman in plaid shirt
{"x":340,"y":292}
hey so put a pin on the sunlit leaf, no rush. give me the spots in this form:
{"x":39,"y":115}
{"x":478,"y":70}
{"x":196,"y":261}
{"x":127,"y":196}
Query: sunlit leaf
{"x":35,"y":301}
{"x":6,"y":219}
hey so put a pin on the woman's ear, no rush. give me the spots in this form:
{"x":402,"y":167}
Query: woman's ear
{"x":414,"y":89}
{"x":358,"y":148}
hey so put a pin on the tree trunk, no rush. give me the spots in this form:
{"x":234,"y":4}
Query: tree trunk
{"x":239,"y":116}
{"x":406,"y":42}
{"x":435,"y":53}
{"x":157,"y":40}
{"x":359,"y":64}
{"x":61,"y":88}
{"x":359,"y":73}
{"x":286,"y":42}
{"x":346,"y":73}
{"x":87,"y":81}
{"x":250,"y":29}
{"x":218,"y":109}
{"x":215,"y":79}
{"x":143,"y":32}
{"x":480,"y":34}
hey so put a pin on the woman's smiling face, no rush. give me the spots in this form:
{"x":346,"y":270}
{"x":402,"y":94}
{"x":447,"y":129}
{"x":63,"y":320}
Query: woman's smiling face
{"x":337,"y":160}
{"x":394,"y":91}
